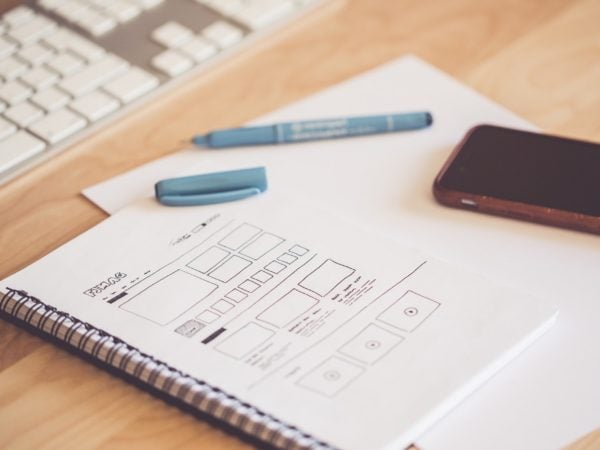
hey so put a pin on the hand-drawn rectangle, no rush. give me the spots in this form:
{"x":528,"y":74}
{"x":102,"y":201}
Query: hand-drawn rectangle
{"x":287,"y":308}
{"x":236,"y":295}
{"x":208,"y":259}
{"x":207,"y":316}
{"x":287,"y":258}
{"x":240,"y":236}
{"x":275,"y":267}
{"x":331,"y":376}
{"x":262,"y":276}
{"x":371,"y":344}
{"x":326,"y":277}
{"x":249,"y":286}
{"x":222,"y":306}
{"x":189,"y":328}
{"x":298,"y":250}
{"x":409,"y":311}
{"x":261,"y":246}
{"x":244,"y":340}
{"x":169,"y":297}
{"x":229,"y":269}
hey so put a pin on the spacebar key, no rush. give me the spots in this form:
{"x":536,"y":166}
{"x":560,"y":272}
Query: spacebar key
{"x":58,"y":125}
{"x":18,"y":148}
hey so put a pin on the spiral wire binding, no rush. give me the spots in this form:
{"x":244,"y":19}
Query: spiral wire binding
{"x":194,"y":393}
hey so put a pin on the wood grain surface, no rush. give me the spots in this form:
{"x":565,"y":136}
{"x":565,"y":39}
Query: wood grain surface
{"x":538,"y":58}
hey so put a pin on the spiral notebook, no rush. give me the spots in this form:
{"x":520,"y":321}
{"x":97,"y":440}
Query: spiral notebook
{"x":278,"y":319}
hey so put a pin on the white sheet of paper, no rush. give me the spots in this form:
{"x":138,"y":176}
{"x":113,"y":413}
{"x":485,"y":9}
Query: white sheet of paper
{"x":545,"y":399}
{"x":294,"y":311}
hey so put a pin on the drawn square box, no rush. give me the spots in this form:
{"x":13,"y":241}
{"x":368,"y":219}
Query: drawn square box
{"x":244,"y":340}
{"x":275,"y":267}
{"x":287,"y":258}
{"x":289,"y":307}
{"x":169,"y":297}
{"x":236,"y":295}
{"x":238,"y":237}
{"x":262,"y":276}
{"x":249,"y":286}
{"x":230,"y":269}
{"x":409,"y":311}
{"x":261,"y":246}
{"x":208,"y":259}
{"x":222,"y":306}
{"x":326,"y":277}
{"x":331,"y":376}
{"x":189,"y":328}
{"x":298,"y":250}
{"x":207,"y":316}
{"x":371,"y":344}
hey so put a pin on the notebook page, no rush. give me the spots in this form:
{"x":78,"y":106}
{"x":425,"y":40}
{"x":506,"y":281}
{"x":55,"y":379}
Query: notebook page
{"x":352,"y":338}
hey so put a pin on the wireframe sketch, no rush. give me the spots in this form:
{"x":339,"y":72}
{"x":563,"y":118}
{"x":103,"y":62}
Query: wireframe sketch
{"x":331,"y":376}
{"x":241,"y":235}
{"x":287,"y":308}
{"x":249,"y":286}
{"x":208,"y":260}
{"x":169,"y":297}
{"x":409,"y":311}
{"x":189,"y":328}
{"x":287,"y":258}
{"x":229,"y":269}
{"x":261,"y":246}
{"x":371,"y":344}
{"x":236,"y":295}
{"x":326,"y":277}
{"x":262,"y":276}
{"x":222,"y":306}
{"x":298,"y":250}
{"x":243,"y":341}
{"x":207,"y":316}
{"x":275,"y":267}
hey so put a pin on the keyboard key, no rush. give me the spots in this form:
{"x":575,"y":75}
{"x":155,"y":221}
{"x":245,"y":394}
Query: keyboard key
{"x":71,"y":10}
{"x":11,"y":67}
{"x":18,"y":148}
{"x":172,"y":35}
{"x":95,"y":22}
{"x":199,"y":49}
{"x":95,"y":105}
{"x":172,"y":63}
{"x":58,"y":125}
{"x":223,"y":34}
{"x":14,"y":92}
{"x":32,"y":30}
{"x":51,"y":99}
{"x":121,"y":11}
{"x":23,"y":114}
{"x":39,"y":78}
{"x":6,"y":128}
{"x":35,"y":54}
{"x":50,"y":4}
{"x":93,"y":76}
{"x":132,"y":84}
{"x":65,"y":63}
{"x":64,"y":39}
{"x":147,"y":4}
{"x":264,"y":13}
{"x":6,"y":47}
{"x":18,"y":15}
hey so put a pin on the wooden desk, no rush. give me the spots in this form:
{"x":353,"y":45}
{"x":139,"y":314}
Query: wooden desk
{"x":540,"y":59}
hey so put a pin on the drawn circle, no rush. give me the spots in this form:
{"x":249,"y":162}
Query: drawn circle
{"x":411,"y":311}
{"x":372,"y":344}
{"x":332,"y":375}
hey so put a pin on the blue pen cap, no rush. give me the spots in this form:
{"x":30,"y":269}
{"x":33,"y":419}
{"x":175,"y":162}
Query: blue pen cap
{"x":217,"y":187}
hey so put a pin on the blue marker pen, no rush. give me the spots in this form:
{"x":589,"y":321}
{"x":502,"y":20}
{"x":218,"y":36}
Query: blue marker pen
{"x":312,"y":130}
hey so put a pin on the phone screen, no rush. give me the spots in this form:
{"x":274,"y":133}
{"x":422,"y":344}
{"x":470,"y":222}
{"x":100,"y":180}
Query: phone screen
{"x":525,"y":167}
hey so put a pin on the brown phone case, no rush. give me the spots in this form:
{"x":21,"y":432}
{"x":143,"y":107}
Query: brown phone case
{"x":507,"y":208}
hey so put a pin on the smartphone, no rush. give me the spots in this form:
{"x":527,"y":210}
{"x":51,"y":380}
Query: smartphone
{"x":523,"y":175}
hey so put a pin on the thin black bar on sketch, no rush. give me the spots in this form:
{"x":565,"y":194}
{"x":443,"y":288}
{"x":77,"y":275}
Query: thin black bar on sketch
{"x":117,"y":297}
{"x":213,"y":336}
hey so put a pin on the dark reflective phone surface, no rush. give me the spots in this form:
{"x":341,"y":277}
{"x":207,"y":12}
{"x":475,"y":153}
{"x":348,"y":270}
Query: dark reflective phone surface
{"x":528,"y":168}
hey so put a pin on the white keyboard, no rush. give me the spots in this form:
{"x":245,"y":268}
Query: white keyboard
{"x":68,"y":67}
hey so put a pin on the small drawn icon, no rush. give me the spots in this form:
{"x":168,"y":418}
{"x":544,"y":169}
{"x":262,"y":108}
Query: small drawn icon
{"x":411,"y":311}
{"x":372,"y":344}
{"x":332,"y":375}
